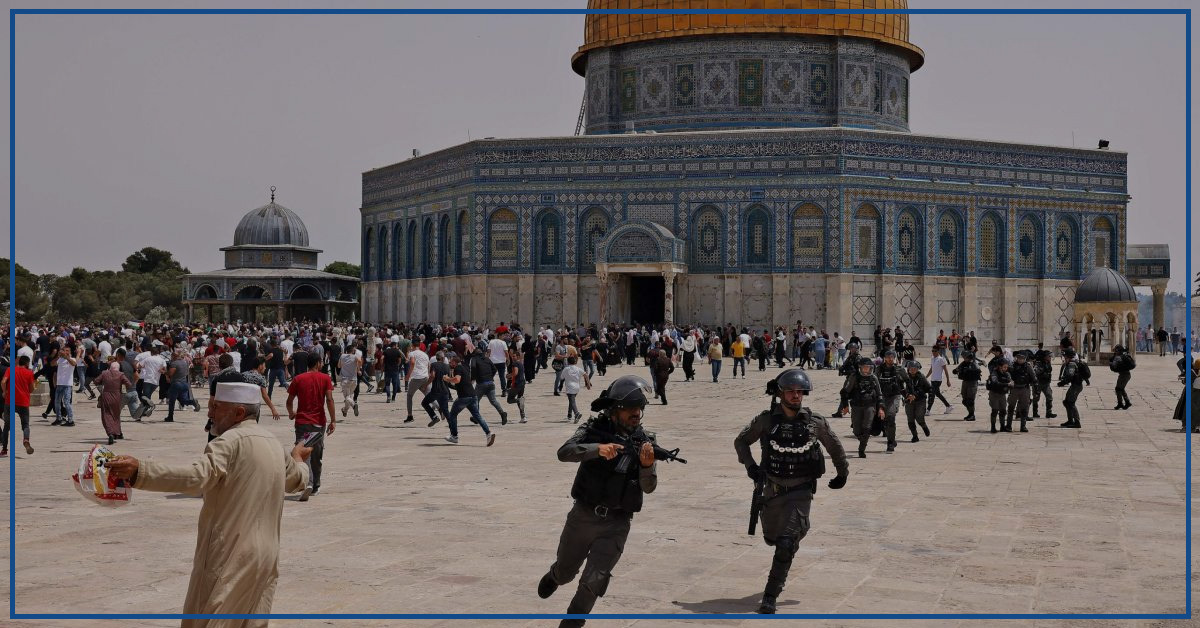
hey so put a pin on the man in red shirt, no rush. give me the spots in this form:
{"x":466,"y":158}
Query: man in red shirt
{"x":314,"y":389}
{"x":18,"y":384}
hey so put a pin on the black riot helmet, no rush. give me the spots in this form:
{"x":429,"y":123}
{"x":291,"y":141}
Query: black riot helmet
{"x":1118,"y":349}
{"x":865,"y":361}
{"x":629,"y":391}
{"x":1069,"y":352}
{"x":912,"y":364}
{"x":791,"y":379}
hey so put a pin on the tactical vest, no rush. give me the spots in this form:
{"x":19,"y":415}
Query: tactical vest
{"x":889,"y":379}
{"x":969,"y":371}
{"x":612,"y":483}
{"x":998,"y":382}
{"x":790,"y":448}
{"x":1022,"y":375}
{"x":865,"y":392}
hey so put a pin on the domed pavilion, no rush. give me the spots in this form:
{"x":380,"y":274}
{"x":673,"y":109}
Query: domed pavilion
{"x":270,"y":273}
{"x":1106,"y":312}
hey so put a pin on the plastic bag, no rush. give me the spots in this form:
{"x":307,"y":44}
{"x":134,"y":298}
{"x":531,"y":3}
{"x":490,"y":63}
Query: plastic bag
{"x":92,"y":480}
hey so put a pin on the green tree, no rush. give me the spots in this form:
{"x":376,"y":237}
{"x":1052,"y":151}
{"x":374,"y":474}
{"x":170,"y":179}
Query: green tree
{"x":32,"y":302}
{"x":344,"y":268}
{"x":152,"y":260}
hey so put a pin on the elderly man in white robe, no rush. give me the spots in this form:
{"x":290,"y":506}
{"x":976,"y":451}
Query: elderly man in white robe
{"x":243,"y":476}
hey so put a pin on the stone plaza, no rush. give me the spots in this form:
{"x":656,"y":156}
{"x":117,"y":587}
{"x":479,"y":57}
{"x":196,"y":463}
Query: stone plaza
{"x":1053,"y":521}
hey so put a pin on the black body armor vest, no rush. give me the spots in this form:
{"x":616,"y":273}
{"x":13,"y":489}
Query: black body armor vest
{"x":790,"y":448}
{"x":611,"y":483}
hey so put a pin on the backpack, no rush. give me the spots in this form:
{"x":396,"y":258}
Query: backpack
{"x":1085,"y":372}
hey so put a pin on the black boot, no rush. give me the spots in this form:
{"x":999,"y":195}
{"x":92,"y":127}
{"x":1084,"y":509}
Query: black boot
{"x":862,"y":449}
{"x":891,"y":446}
{"x":767,"y":606}
{"x":1006,"y":422}
{"x":1050,"y":415}
{"x":993,"y":419}
{"x":1023,"y":428}
{"x":546,"y":586}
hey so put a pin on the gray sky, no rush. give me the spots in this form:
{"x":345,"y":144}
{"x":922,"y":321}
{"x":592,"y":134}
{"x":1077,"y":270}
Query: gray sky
{"x":164,"y":130}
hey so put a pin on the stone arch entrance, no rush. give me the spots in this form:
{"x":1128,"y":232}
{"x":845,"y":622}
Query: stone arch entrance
{"x":638,"y":263}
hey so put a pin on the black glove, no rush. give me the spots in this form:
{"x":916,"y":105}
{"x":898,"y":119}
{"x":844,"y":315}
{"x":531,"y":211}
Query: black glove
{"x":837,"y":482}
{"x":755,"y":472}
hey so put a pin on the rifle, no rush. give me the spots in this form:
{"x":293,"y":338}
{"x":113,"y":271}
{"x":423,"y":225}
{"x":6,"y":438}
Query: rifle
{"x":633,"y":444}
{"x":755,"y":506}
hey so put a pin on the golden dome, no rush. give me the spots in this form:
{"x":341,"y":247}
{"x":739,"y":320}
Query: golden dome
{"x":602,"y":30}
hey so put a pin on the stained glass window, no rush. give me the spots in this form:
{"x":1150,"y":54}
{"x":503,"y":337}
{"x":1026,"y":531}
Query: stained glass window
{"x":502,"y":240}
{"x":444,"y":245}
{"x":549,"y":236}
{"x":1028,"y":247}
{"x":866,"y":246}
{"x":428,"y":263}
{"x":397,"y":250}
{"x":947,"y":242}
{"x":989,"y":244}
{"x":758,"y":251}
{"x":1064,"y":247}
{"x":1102,"y":230}
{"x":410,"y":250}
{"x":707,"y":238}
{"x":808,"y":237}
{"x":908,"y":242}
{"x":595,"y":226}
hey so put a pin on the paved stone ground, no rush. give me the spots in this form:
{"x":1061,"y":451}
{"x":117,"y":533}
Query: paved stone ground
{"x":1053,"y":521}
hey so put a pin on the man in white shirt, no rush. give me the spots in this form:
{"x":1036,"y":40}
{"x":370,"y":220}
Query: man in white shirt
{"x":938,"y":373}
{"x":150,"y":368}
{"x":417,"y":377}
{"x":349,"y":369}
{"x":64,"y":376}
{"x":288,"y":345}
{"x":106,"y":349}
{"x":498,"y":356}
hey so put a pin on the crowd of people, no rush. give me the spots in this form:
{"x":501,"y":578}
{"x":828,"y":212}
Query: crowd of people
{"x":453,"y":368}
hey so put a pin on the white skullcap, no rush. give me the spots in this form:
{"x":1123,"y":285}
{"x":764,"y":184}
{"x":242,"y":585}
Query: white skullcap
{"x":238,"y":393}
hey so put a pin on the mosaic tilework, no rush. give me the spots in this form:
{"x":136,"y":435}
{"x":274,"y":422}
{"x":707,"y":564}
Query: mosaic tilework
{"x":1102,"y":238}
{"x":1064,"y":306}
{"x":398,"y":267}
{"x":808,"y":237}
{"x":948,"y":242}
{"x":429,"y":241}
{"x":503,"y":238}
{"x":1064,"y":247}
{"x":410,"y":250}
{"x":758,"y":231}
{"x":908,"y":241}
{"x":866,"y":237}
{"x":682,"y":84}
{"x":750,"y":83}
{"x":661,"y":213}
{"x":1028,"y":247}
{"x":445,"y":245}
{"x":635,"y":246}
{"x":990,"y":244}
{"x":549,"y":240}
{"x":706,"y":241}
{"x":595,"y":225}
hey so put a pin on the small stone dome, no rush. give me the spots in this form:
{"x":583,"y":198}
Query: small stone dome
{"x":1105,"y":285}
{"x":271,"y":224}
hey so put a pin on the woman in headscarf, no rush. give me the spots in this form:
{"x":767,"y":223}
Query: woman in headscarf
{"x":1179,"y":407}
{"x":111,"y":382}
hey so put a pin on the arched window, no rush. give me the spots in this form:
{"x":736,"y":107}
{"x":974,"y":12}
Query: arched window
{"x":909,"y":237}
{"x":206,"y":292}
{"x":1029,"y":247}
{"x":808,"y":237}
{"x":949,"y":242}
{"x":593,"y":229}
{"x":866,"y":236}
{"x":460,"y":241}
{"x":758,"y":236}
{"x":397,"y":251}
{"x":444,"y":244}
{"x":428,"y":263}
{"x":1102,"y":234}
{"x":369,"y":255}
{"x":381,"y":256}
{"x":502,"y":240}
{"x":991,"y":245}
{"x":410,"y":250}
{"x":708,"y":237}
{"x":1064,"y":248}
{"x":549,"y":240}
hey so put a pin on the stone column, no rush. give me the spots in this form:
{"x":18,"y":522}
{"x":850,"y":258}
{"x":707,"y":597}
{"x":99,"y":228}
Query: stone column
{"x":669,"y":296}
{"x":604,"y":288}
{"x":1160,"y":305}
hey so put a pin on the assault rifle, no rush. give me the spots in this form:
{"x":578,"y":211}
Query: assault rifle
{"x":633,"y":444}
{"x":755,"y":506}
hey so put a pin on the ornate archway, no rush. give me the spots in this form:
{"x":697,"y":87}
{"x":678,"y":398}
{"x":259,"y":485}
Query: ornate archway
{"x":639,"y":254}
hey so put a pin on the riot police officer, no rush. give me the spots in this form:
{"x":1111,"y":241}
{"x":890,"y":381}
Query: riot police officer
{"x":998,"y":384}
{"x":608,"y":490}
{"x":969,"y":373}
{"x":866,"y":402}
{"x":1073,"y":373}
{"x":1044,"y":368}
{"x":1023,"y":379}
{"x":847,"y":370}
{"x":791,"y":437}
{"x":916,"y":391}
{"x":1121,"y":363}
{"x":892,"y":383}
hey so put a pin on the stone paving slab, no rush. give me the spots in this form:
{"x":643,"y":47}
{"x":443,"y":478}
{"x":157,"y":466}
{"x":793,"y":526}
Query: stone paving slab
{"x":1053,"y":521}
